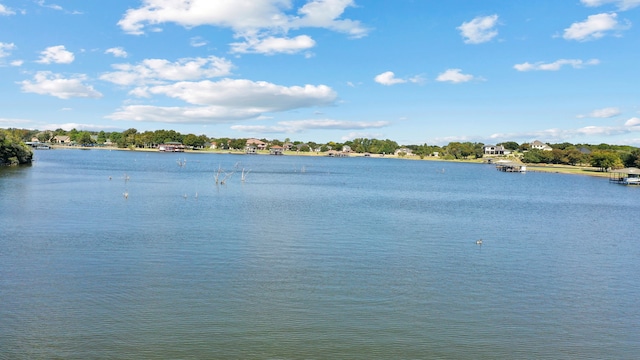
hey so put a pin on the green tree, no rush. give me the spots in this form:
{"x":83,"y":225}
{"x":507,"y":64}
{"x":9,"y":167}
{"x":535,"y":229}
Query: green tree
{"x":102,"y":137}
{"x":510,"y":145}
{"x":84,"y":138}
{"x":238,"y":143}
{"x":12,"y":150}
{"x":193,"y":140}
{"x":605,"y":160}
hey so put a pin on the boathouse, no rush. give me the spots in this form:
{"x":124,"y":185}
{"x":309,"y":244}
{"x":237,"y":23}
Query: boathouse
{"x":510,"y":166}
{"x":171,"y":147}
{"x":276,"y":150}
{"x":626,"y":176}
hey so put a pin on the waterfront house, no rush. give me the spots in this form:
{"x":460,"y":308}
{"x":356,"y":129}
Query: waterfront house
{"x":404,"y":150}
{"x":540,"y":146}
{"x":62,"y":139}
{"x":494,"y":150}
{"x":260,"y":145}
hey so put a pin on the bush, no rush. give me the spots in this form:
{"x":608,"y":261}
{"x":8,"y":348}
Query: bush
{"x":13,"y":151}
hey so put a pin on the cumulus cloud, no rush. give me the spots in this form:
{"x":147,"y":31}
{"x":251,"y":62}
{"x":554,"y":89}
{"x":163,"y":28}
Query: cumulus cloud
{"x":184,"y":114}
{"x":272,"y":45}
{"x":298,"y":126}
{"x":479,"y":30}
{"x":246,"y":93}
{"x":48,"y":83}
{"x":117,"y":52}
{"x":633,"y":122}
{"x":56,"y":54}
{"x":158,"y":71}
{"x":225,"y":100}
{"x":389,"y":78}
{"x":6,"y":11}
{"x":5,"y":49}
{"x":555,"y":66}
{"x":602,"y":113}
{"x":454,"y":76}
{"x":255,"y":21}
{"x":16,"y":63}
{"x":621,"y":4}
{"x":595,"y":27}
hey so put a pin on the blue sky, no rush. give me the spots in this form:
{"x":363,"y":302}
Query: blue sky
{"x":413,"y":71}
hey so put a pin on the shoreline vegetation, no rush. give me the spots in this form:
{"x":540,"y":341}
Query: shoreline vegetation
{"x":565,"y":158}
{"x":13,"y":151}
{"x":546,"y":168}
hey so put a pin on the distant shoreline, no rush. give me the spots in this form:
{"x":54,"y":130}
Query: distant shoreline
{"x":546,"y":168}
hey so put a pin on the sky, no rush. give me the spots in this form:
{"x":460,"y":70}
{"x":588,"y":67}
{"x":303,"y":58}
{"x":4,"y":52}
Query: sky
{"x":412,"y":71}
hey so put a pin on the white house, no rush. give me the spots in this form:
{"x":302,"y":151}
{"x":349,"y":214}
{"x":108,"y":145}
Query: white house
{"x":494,"y":150}
{"x":540,"y":146}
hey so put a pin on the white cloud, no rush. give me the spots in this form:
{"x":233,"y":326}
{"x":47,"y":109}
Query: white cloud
{"x":117,"y":52}
{"x":602,"y":113}
{"x":77,"y":126}
{"x":50,"y":6}
{"x":48,"y":83}
{"x":247,"y":94}
{"x":302,"y":125}
{"x":225,"y":100}
{"x":272,"y":45}
{"x":9,"y":123}
{"x":621,"y":4}
{"x":554,"y":66}
{"x":479,"y":30}
{"x":158,"y":71}
{"x":631,"y":126}
{"x":187,"y":115}
{"x":388,"y":78}
{"x":198,"y":41}
{"x":632,"y":122}
{"x":256,"y":21}
{"x":16,"y":63}
{"x":6,"y":11}
{"x":56,"y":54}
{"x":454,"y":76}
{"x":326,"y":14}
{"x":5,"y":49}
{"x":595,"y":27}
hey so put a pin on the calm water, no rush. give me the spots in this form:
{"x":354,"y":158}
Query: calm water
{"x":312,"y":258}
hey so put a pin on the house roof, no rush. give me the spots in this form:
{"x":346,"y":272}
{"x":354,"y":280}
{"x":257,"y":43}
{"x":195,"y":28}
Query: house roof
{"x":627,"y":171}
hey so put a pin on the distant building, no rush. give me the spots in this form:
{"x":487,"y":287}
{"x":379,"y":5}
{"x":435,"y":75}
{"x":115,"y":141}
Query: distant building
{"x":540,"y":146}
{"x":406,"y":151}
{"x":276,"y":150}
{"x":62,"y":139}
{"x":493,"y":150}
{"x":171,"y":147}
{"x":260,"y":145}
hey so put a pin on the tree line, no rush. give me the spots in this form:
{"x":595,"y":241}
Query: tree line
{"x":12,"y":149}
{"x":603,"y":156}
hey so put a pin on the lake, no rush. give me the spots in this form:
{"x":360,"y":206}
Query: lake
{"x":312,"y":258}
